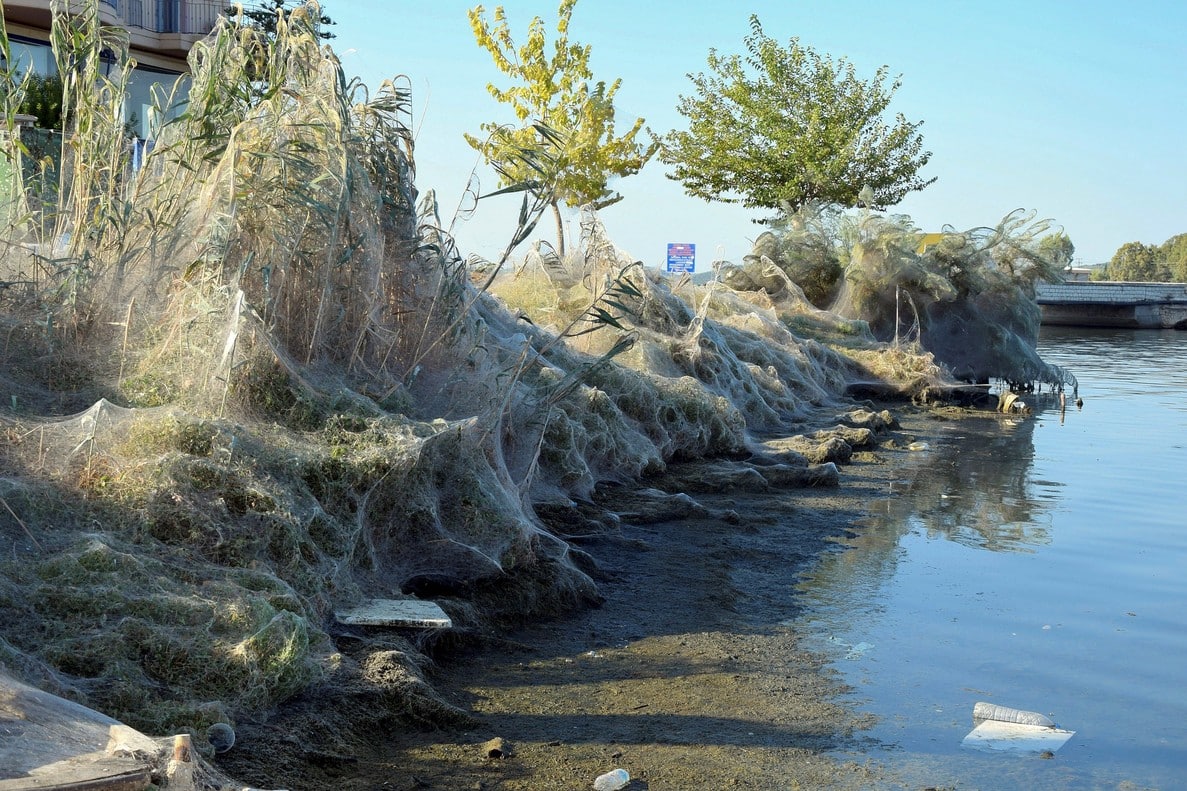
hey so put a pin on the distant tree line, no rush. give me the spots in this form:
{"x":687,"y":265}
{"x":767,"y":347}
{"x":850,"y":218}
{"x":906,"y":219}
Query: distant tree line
{"x":1150,"y":263}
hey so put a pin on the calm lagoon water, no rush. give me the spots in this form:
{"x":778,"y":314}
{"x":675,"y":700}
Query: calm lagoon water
{"x":1036,"y":563}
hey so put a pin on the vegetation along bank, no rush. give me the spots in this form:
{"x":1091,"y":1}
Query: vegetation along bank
{"x":254,"y":383}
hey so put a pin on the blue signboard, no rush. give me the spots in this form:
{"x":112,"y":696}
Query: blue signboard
{"x":682,"y":257}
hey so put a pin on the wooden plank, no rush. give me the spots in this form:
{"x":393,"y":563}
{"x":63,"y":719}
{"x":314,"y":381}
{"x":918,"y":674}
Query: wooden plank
{"x":96,"y":777}
{"x":48,"y":742}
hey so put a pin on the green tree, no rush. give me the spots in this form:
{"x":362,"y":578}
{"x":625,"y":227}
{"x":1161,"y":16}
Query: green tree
{"x":787,"y":126}
{"x":263,"y":15}
{"x":43,"y":99}
{"x":1173,"y":252}
{"x":1057,"y":248}
{"x":1138,"y":262}
{"x":579,"y":152}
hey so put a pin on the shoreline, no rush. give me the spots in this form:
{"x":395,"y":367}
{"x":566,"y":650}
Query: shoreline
{"x":689,"y":673}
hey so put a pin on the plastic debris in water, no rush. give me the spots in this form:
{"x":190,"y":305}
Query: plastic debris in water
{"x":1003,"y":729}
{"x":991,"y":711}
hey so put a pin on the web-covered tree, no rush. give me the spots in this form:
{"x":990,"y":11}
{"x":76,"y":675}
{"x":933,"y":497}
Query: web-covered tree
{"x":565,"y":117}
{"x":786,"y":127}
{"x":967,"y":297}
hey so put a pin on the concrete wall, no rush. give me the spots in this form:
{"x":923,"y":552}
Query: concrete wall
{"x":1110,"y":293}
{"x":1114,"y":304}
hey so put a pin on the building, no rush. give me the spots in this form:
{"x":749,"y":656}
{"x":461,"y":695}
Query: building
{"x":161,"y":33}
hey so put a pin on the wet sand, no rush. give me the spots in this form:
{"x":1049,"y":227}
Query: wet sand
{"x":688,"y":675}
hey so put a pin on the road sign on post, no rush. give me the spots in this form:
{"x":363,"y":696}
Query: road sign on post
{"x":682,"y":258}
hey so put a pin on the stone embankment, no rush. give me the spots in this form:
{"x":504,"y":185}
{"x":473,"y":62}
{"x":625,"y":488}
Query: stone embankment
{"x":1114,"y":304}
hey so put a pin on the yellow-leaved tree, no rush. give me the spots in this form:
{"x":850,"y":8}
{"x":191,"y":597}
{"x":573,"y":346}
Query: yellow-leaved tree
{"x":565,"y":148}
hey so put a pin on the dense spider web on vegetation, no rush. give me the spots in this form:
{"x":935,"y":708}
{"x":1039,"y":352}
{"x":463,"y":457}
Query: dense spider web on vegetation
{"x":965,"y":297}
{"x":254,"y":381}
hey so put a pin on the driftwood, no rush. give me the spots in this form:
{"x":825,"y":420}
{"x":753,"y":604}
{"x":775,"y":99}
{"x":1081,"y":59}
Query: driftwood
{"x":82,"y":774}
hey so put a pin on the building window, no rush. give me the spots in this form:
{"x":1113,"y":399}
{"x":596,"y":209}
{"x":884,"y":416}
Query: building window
{"x":33,"y":55}
{"x":169,"y":16}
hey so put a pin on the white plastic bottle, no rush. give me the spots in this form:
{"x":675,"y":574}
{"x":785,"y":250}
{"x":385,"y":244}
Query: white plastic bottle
{"x":612,"y":781}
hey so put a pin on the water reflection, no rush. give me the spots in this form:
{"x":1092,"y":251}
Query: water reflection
{"x":973,"y":487}
{"x":975,"y":491}
{"x":1075,"y":610}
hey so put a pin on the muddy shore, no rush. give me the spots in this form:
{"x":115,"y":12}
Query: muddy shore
{"x":688,"y":675}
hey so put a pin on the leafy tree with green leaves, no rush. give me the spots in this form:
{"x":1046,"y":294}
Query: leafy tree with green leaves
{"x":786,"y":127}
{"x":263,"y":15}
{"x":43,"y":100}
{"x":1173,"y":252}
{"x":565,"y":116}
{"x":1138,"y":262}
{"x":1058,"y":249}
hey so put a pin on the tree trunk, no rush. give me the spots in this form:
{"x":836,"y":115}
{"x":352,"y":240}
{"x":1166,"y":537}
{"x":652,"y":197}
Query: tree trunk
{"x":560,"y":229}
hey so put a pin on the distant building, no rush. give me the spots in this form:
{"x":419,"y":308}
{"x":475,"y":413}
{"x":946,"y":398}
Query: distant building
{"x":161,"y":32}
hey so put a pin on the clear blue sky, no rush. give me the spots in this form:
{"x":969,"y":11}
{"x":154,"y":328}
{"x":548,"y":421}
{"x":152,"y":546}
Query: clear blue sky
{"x":1077,"y":109}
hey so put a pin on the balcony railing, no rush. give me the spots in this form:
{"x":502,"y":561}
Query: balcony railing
{"x":187,"y":17}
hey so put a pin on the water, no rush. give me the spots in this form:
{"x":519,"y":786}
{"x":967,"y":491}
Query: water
{"x":1035,"y":563}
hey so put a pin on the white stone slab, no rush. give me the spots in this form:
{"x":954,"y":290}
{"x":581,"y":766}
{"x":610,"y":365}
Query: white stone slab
{"x":412,"y":613}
